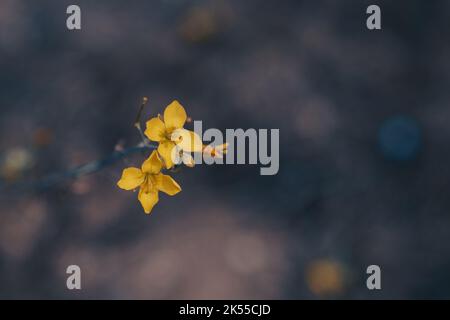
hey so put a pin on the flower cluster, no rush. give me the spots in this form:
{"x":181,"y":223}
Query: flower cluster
{"x":175,"y":145}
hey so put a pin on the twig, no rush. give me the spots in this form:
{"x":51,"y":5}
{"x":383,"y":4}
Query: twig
{"x":137,"y":122}
{"x":87,"y":168}
{"x":82,"y":170}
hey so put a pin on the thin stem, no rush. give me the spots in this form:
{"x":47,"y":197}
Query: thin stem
{"x":144,"y":139}
{"x":137,"y":122}
{"x":85,"y":169}
{"x":90,"y":167}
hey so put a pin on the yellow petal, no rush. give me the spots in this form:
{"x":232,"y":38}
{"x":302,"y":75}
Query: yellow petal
{"x":187,"y":159}
{"x":220,"y":150}
{"x":177,"y":155}
{"x":156,"y":130}
{"x":187,"y":140}
{"x":222,"y":147}
{"x":207,"y":149}
{"x":165,"y":150}
{"x":153,"y":164}
{"x":174,"y":116}
{"x":131,"y":178}
{"x":215,"y":151}
{"x":166,"y":184}
{"x":148,"y":199}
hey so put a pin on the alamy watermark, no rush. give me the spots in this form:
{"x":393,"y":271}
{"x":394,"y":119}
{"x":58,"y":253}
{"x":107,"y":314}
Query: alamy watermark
{"x":250,"y":146}
{"x":374,"y":280}
{"x":74,"y":279}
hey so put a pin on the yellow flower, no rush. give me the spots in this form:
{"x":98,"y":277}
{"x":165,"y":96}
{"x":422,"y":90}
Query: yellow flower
{"x":179,"y":156}
{"x":169,"y":133}
{"x":150,"y":180}
{"x":216,"y":151}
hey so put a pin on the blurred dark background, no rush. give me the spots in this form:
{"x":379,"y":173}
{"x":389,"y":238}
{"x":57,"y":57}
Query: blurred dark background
{"x":364,"y":128}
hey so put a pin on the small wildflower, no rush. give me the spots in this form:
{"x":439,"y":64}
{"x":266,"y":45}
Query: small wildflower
{"x":179,"y":156}
{"x":215,"y":151}
{"x":169,"y":132}
{"x":150,"y":180}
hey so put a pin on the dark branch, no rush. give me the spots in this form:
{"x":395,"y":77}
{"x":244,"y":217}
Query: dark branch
{"x":79,"y":171}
